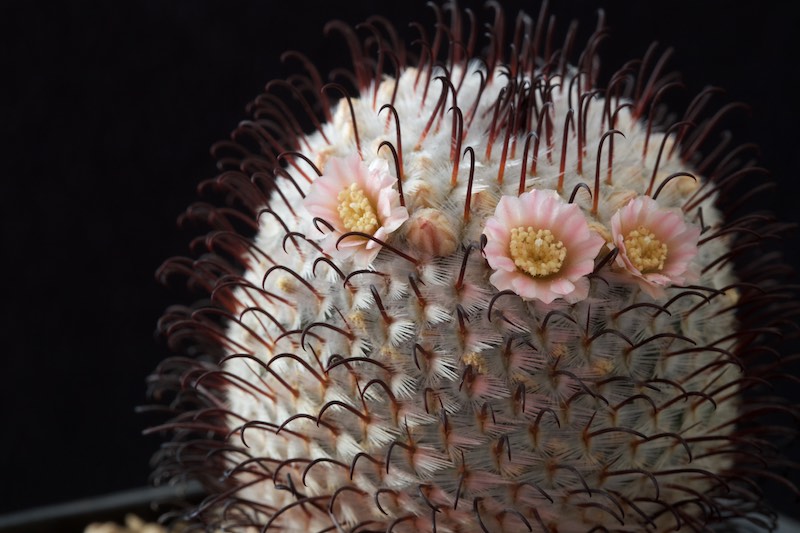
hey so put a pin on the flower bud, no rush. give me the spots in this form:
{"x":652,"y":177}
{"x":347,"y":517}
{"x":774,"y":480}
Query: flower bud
{"x":432,"y":233}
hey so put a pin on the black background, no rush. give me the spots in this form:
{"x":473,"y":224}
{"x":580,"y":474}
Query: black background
{"x":107,"y":110}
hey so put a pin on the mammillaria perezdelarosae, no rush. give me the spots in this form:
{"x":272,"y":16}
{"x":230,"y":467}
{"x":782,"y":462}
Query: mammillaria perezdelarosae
{"x":484,"y":294}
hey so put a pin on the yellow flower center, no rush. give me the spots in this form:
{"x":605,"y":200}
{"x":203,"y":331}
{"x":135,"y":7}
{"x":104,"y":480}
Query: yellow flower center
{"x":644,"y":251}
{"x":356,"y":211}
{"x":536,"y":252}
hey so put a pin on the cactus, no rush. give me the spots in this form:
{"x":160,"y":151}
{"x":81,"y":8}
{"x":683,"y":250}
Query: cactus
{"x":480,"y":296}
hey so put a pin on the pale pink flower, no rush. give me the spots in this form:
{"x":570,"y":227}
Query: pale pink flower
{"x":655,"y":244}
{"x":541,"y":247}
{"x":354,"y":197}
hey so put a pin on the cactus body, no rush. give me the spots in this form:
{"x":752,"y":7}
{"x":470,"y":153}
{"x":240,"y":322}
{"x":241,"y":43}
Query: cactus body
{"x":481,"y":297}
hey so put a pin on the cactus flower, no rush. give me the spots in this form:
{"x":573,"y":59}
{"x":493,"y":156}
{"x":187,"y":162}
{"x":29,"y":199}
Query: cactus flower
{"x":541,"y":247}
{"x":355,"y":198}
{"x":655,"y":245}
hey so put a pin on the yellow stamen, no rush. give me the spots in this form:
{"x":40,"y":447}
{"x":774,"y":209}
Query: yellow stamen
{"x":536,"y":252}
{"x":356,"y":211}
{"x":644,"y":251}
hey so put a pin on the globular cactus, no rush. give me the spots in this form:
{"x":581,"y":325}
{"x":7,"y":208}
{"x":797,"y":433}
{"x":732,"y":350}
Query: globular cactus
{"x":482,"y":295}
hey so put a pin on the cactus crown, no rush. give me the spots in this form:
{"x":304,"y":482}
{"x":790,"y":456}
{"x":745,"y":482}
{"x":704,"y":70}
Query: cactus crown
{"x":484,"y":294}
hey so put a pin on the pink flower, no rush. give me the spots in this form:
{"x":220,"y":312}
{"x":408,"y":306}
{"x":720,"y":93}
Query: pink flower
{"x":352,"y":197}
{"x":656,"y":245}
{"x":541,"y":247}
